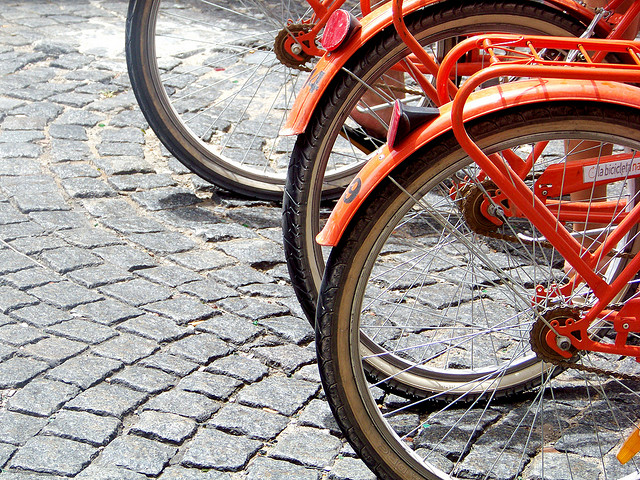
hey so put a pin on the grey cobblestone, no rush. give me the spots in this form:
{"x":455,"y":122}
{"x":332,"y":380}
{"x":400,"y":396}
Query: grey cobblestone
{"x":42,"y":397}
{"x":83,"y":427}
{"x":138,"y":454}
{"x":126,"y":348}
{"x":17,"y":428}
{"x":188,"y":404}
{"x":46,"y":454}
{"x":147,"y":325}
{"x":105,"y":399}
{"x":212,"y":448}
{"x":85,"y":370}
{"x":164,"y":427}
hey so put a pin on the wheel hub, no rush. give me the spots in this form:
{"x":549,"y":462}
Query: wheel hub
{"x":288,"y":49}
{"x":473,"y":198}
{"x":540,"y":338}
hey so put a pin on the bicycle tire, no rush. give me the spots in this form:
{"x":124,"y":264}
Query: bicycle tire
{"x":511,"y":421}
{"x":209,"y":84}
{"x":316,"y":147}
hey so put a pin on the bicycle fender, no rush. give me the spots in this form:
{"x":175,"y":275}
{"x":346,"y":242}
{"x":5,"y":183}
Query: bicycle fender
{"x":331,"y":63}
{"x":382,"y":162}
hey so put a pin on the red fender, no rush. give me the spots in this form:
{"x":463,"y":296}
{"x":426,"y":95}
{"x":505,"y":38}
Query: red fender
{"x":479,"y":103}
{"x":331,"y":63}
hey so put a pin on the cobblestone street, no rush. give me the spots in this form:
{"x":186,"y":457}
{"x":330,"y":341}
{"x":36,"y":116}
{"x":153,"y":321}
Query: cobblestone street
{"x":148,"y":328}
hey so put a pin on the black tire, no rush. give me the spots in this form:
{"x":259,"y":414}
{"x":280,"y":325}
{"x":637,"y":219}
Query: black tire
{"x":212,"y":90}
{"x":475,"y":351}
{"x":318,"y":146}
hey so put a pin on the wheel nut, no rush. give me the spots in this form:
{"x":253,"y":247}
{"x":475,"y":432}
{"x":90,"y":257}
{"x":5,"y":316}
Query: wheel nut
{"x":564,"y":343}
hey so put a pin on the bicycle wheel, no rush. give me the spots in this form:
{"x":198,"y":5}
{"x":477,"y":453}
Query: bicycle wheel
{"x":450,"y":299}
{"x":329,"y":145}
{"x":215,"y":84}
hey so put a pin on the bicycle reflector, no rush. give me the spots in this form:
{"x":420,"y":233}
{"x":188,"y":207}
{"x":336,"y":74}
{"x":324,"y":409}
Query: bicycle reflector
{"x":405,"y":119}
{"x":339,"y":28}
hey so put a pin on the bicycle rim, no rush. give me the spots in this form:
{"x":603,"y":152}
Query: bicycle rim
{"x":210,"y":79}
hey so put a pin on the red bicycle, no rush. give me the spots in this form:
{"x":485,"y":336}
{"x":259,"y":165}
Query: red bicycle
{"x":494,"y":250}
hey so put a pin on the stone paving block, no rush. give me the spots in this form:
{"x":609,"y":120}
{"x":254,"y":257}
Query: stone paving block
{"x":126,"y":348}
{"x":255,"y":423}
{"x":264,"y":468}
{"x":59,"y":220}
{"x":285,"y":395}
{"x":164,"y":427}
{"x":292,"y":329}
{"x":169,"y":363}
{"x":82,"y":330}
{"x":126,"y":257}
{"x":68,"y":132}
{"x":136,"y":292}
{"x":133,"y":224}
{"x":53,"y":350}
{"x":6,"y":351}
{"x":59,"y":456}
{"x":42,"y":397}
{"x":83,"y":427}
{"x":273,"y":290}
{"x":149,"y":380}
{"x":74,"y":170}
{"x":218,"y":387}
{"x":181,"y":473}
{"x":286,"y":357}
{"x":121,"y":164}
{"x":16,"y":428}
{"x":188,"y":404}
{"x":243,"y":368}
{"x":164,"y":198}
{"x":182,"y":310}
{"x":106,"y":472}
{"x":307,"y":446}
{"x":105,"y":274}
{"x":154,"y":327}
{"x":33,"y":245}
{"x":208,"y":290}
{"x":107,"y":312}
{"x":201,"y":348}
{"x":84,"y":370}
{"x":253,"y":308}
{"x":138,"y":454}
{"x":65,"y":295}
{"x":90,"y":237}
{"x":169,"y":275}
{"x":318,"y":414}
{"x":346,"y":468}
{"x":6,"y":451}
{"x":40,"y":315}
{"x":202,"y":260}
{"x":258,"y":254}
{"x":127,"y":134}
{"x":109,"y":209}
{"x":231,"y":328}
{"x":12,"y":261}
{"x":239,"y":275}
{"x":9,"y":214}
{"x":17,"y":371}
{"x":12,"y":299}
{"x":212,"y":448}
{"x":106,"y":399}
{"x":30,"y":278}
{"x":164,"y":243}
{"x":18,"y":230}
{"x":20,"y":334}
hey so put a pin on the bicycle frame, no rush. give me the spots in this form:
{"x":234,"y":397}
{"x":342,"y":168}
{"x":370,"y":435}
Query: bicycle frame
{"x":382,"y":17}
{"x":552,"y":84}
